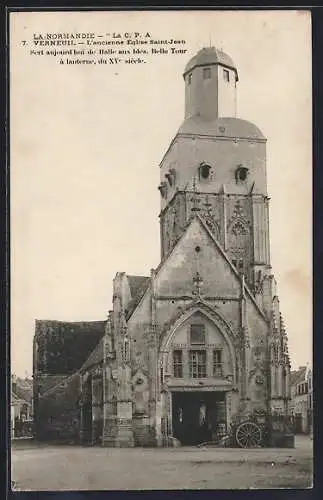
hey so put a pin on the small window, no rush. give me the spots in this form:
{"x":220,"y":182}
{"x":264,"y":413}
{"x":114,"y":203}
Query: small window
{"x":240,"y":264}
{"x":197,"y":334}
{"x":204,"y":171}
{"x":178,"y":364}
{"x":217,"y":363}
{"x":241,"y":173}
{"x":197,"y":364}
{"x":206,"y":73}
{"x":226,"y":75}
{"x":234,"y":262}
{"x":189,"y":79}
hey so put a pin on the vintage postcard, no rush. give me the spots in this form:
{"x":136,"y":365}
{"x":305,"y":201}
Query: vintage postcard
{"x":160,"y":167}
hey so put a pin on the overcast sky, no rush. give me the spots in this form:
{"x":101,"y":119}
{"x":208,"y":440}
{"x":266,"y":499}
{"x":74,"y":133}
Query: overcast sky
{"x":86,"y":142}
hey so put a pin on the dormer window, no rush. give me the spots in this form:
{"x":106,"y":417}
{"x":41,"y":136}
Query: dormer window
{"x":204,"y":171}
{"x":241,"y":174}
{"x":206,"y":73}
{"x":226,"y":75}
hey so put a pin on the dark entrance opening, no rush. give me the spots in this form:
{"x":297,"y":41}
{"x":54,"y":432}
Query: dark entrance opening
{"x":198,"y":416}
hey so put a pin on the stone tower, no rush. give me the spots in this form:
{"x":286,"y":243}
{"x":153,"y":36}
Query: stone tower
{"x":216,"y":166}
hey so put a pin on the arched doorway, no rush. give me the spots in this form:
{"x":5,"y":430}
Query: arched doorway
{"x":197,"y":370}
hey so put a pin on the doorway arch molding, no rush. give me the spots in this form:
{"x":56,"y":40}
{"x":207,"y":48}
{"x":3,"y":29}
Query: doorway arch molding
{"x":213,"y":316}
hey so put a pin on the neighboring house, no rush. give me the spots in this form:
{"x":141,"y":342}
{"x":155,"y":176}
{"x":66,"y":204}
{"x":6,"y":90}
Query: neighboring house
{"x":301,"y":405}
{"x":310,"y":400}
{"x":21,"y":407}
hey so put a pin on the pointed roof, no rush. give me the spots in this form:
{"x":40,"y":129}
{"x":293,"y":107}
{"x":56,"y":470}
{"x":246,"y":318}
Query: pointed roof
{"x":138,"y":285}
{"x":23,"y":389}
{"x":64,"y":383}
{"x":297,"y":376}
{"x":24,"y":394}
{"x":46,"y":383}
{"x":64,"y":396}
{"x":95,"y":357}
{"x":223,"y":254}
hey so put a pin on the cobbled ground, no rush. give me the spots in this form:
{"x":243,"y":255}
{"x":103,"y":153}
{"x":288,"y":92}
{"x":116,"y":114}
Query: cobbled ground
{"x":46,"y":467}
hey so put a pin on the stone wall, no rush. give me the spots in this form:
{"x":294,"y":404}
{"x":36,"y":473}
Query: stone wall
{"x":57,"y":414}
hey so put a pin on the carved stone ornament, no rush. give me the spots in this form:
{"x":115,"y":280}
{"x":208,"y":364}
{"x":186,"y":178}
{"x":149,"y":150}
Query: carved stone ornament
{"x":239,"y":228}
{"x":139,"y":381}
{"x":259,"y":380}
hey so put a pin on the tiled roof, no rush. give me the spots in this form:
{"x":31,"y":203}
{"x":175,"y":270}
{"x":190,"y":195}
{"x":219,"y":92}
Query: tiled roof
{"x":224,"y":126}
{"x":47,"y":382}
{"x":95,"y":357}
{"x":22,"y":393}
{"x":66,"y":345}
{"x":298,"y":376}
{"x":62,"y":385}
{"x":64,"y":397}
{"x":23,"y":389}
{"x":77,"y":327}
{"x":138,"y":285}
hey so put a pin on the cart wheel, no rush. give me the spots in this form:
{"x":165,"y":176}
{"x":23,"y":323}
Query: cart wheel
{"x":248,"y":435}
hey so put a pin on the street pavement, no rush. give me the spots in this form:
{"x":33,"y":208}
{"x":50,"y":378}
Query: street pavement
{"x":46,"y":467}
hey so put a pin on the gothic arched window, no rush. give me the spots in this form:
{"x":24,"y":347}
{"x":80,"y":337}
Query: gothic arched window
{"x":239,"y":235}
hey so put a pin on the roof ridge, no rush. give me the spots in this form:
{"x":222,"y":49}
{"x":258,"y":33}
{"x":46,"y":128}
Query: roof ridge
{"x":52,"y":389}
{"x":85,"y":365}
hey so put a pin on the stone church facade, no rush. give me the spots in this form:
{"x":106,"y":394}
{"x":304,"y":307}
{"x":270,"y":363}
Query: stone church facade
{"x":202,"y":339}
